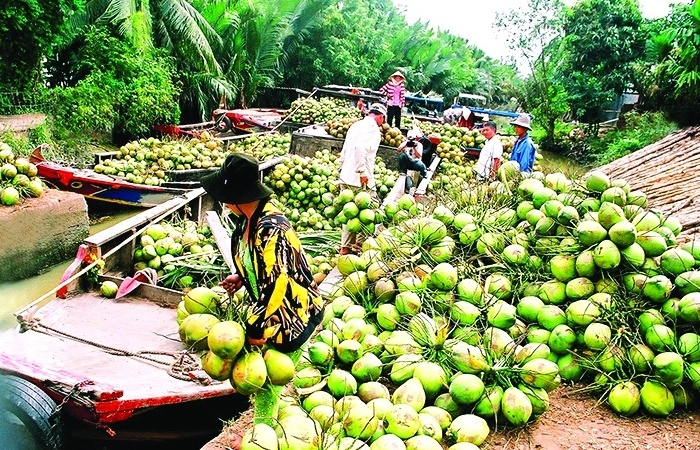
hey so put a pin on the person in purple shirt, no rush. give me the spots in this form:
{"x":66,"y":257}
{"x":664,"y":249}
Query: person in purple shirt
{"x":523,"y":149}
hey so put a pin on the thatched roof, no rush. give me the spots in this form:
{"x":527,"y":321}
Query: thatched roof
{"x":668,"y":172}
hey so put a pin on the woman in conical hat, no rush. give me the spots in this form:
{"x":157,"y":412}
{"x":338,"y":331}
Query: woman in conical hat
{"x":395,"y":92}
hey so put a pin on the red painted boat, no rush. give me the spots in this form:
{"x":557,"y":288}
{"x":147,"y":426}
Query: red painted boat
{"x":104,"y":361}
{"x":100,"y":187}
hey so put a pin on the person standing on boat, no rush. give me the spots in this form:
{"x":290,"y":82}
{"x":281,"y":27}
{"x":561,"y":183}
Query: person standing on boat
{"x":395,"y":92}
{"x":490,"y":155}
{"x":523,"y":149}
{"x":285,"y":303}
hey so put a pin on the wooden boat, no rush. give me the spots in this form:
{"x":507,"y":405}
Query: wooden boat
{"x":100,"y":187}
{"x":106,"y":361}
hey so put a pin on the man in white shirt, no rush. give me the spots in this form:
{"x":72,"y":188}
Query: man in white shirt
{"x":490,"y":155}
{"x":357,"y":160}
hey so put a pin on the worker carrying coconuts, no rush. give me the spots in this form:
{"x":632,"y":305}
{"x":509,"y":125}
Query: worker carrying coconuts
{"x":523,"y":149}
{"x":490,"y":155}
{"x":285,"y":303}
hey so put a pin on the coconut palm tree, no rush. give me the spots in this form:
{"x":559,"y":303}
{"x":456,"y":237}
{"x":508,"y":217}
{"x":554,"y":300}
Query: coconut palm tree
{"x":175,"y":25}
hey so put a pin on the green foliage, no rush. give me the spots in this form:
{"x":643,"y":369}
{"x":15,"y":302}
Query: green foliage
{"x":602,"y":41}
{"x":534,"y":34}
{"x":125,"y":92}
{"x":637,"y":131}
{"x":28,"y":29}
{"x":676,"y":74}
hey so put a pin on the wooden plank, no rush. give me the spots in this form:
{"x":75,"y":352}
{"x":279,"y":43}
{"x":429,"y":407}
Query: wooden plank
{"x":396,"y":191}
{"x":131,"y":324}
{"x":221,"y":236}
{"x":147,"y":216}
{"x":423,"y":186}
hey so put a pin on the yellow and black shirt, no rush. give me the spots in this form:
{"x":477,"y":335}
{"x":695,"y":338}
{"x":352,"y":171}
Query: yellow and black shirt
{"x":287,"y":305}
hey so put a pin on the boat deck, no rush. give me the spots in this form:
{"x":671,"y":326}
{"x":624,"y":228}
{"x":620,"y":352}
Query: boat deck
{"x":115,"y":386}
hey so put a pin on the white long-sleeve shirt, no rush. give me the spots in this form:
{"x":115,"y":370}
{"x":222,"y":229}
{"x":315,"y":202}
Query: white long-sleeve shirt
{"x":359,"y":152}
{"x":493,"y":149}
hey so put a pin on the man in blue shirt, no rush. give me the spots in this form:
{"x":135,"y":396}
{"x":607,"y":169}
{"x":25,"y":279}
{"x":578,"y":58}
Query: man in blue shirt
{"x":523,"y":149}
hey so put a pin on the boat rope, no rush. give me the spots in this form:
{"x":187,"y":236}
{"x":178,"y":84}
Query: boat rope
{"x":185,"y":365}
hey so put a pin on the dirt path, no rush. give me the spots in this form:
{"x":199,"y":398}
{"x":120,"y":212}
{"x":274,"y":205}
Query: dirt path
{"x":21,"y":122}
{"x":573,"y":422}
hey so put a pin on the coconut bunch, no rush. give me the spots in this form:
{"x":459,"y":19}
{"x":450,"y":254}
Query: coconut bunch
{"x":18,"y":177}
{"x":303,"y":187}
{"x":451,"y":176}
{"x":263,"y":146}
{"x":210,"y":323}
{"x":339,"y":127}
{"x":358,"y":211}
{"x":391,"y":136}
{"x":312,"y":111}
{"x":602,"y":282}
{"x":148,"y":161}
{"x":183,"y":254}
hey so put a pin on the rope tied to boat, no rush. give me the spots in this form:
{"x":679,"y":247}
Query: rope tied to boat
{"x":184,"y":365}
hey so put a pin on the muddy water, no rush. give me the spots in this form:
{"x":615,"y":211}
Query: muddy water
{"x":17,"y":294}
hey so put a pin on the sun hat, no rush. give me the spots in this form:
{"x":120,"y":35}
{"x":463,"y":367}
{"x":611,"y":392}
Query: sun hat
{"x":397,"y":74}
{"x":523,"y":120}
{"x":378,"y":108}
{"x":237,"y":181}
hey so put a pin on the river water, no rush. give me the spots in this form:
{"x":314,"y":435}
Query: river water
{"x":16,"y":294}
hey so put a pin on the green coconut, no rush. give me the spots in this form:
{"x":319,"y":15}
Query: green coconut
{"x":675,"y":261}
{"x":646,"y":221}
{"x":516,"y":406}
{"x":606,"y":255}
{"x":597,"y":336}
{"x":609,"y":214}
{"x":539,"y":398}
{"x":638,"y":198}
{"x":653,"y":243}
{"x":634,"y":255}
{"x":641,"y":357}
{"x":590,"y":232}
{"x":540,"y":373}
{"x":582,"y":313}
{"x":614,"y":194}
{"x":657,"y":399}
{"x":552,"y":292}
{"x":689,"y":308}
{"x":668,"y":367}
{"x":585,"y":264}
{"x":597,"y":181}
{"x":688,"y":282}
{"x":570,"y":367}
{"x":561,"y":339}
{"x":579,"y":288}
{"x":551,"y":316}
{"x":563,"y":267}
{"x":624,"y":398}
{"x":528,"y":307}
{"x":658,"y":288}
{"x":660,"y":338}
{"x":466,"y":389}
{"x":489,"y":406}
{"x":623,"y":234}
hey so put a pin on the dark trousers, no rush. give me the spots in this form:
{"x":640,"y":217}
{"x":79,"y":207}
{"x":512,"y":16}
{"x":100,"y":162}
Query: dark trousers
{"x":393,"y":113}
{"x":406,"y":163}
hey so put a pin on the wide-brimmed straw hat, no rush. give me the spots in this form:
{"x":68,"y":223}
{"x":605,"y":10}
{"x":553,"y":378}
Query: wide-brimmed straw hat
{"x":397,"y":74}
{"x":523,"y":120}
{"x":378,"y":108}
{"x":237,"y":181}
